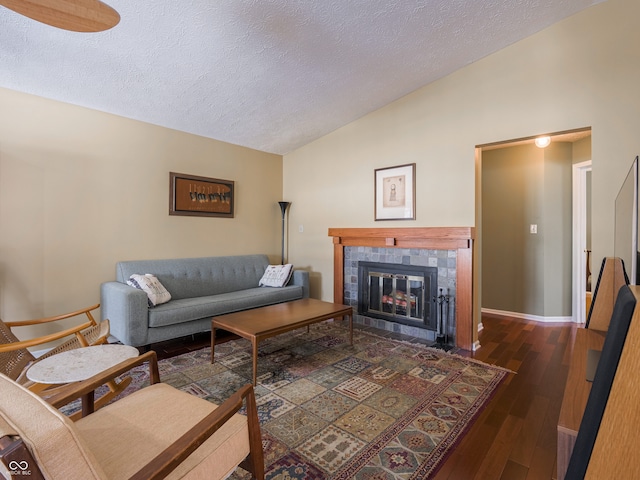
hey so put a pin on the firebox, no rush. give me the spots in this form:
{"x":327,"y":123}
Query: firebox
{"x":398,"y":293}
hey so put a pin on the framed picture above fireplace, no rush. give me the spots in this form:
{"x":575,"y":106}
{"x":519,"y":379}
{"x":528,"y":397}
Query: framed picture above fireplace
{"x":395,"y":192}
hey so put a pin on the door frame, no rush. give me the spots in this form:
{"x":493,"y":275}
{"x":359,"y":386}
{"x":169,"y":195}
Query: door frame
{"x":580,"y":222}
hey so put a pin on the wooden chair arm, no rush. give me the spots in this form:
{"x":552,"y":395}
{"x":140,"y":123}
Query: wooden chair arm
{"x":76,"y":330}
{"x":38,"y":321}
{"x":174,"y":455}
{"x":76,"y":390}
{"x":10,"y":347}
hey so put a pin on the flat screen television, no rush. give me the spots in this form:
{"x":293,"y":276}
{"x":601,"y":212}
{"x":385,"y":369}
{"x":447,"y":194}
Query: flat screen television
{"x":626,"y":225}
{"x":626,"y":233}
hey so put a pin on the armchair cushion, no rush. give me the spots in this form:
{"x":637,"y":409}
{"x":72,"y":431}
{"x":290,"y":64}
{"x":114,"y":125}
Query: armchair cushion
{"x":155,"y":432}
{"x":121,"y":447}
{"x":49,"y":435}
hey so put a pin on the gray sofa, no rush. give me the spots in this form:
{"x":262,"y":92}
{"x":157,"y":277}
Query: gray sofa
{"x":200,"y":288}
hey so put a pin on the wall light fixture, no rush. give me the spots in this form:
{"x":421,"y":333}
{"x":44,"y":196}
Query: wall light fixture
{"x":543,"y":142}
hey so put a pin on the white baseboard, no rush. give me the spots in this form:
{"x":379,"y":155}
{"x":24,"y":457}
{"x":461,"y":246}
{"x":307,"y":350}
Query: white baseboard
{"x":526,"y":316}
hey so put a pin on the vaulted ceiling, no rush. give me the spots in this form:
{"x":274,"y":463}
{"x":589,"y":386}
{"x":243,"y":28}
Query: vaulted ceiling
{"x":272,"y":75}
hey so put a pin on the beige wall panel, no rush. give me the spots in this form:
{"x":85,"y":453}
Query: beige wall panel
{"x":513,"y":187}
{"x":556,"y":230}
{"x":81,"y":190}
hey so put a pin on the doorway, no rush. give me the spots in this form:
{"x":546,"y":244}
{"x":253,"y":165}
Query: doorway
{"x":546,"y":271}
{"x":581,"y":239}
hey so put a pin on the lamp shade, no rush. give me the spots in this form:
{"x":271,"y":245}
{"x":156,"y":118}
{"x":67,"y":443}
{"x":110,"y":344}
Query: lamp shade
{"x":283,"y":207}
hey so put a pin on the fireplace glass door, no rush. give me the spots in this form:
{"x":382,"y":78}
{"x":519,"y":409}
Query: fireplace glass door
{"x":398,"y":293}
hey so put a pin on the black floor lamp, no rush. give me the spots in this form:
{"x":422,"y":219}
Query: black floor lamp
{"x":283,"y":207}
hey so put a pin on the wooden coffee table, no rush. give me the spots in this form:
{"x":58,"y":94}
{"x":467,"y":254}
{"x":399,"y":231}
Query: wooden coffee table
{"x":258,"y":324}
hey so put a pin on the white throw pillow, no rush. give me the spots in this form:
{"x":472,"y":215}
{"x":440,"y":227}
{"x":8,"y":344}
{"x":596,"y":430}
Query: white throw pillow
{"x":276,"y":275}
{"x":150,"y":284}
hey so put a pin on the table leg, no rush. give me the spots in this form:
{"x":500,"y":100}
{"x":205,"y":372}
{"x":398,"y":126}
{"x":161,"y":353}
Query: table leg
{"x":254,"y":342}
{"x":87,"y":404}
{"x":213,"y":342}
{"x":350,"y":329}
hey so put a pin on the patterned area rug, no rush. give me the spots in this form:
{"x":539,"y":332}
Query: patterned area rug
{"x":380,"y":409}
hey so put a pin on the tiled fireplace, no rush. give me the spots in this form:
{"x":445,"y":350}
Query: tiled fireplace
{"x":423,"y":286}
{"x":396,"y":289}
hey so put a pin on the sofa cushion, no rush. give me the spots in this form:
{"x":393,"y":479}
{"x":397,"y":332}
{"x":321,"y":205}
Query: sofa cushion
{"x":188,"y":309}
{"x":150,"y":284}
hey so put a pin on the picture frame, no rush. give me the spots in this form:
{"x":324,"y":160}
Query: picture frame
{"x":395,"y":192}
{"x":196,"y":196}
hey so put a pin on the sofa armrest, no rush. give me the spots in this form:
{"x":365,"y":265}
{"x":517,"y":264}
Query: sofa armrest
{"x":301,"y":277}
{"x":128,"y":312}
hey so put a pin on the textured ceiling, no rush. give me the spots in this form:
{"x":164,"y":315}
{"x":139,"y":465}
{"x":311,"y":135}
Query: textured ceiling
{"x":272,"y":75}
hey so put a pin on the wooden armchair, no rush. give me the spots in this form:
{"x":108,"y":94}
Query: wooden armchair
{"x":15,"y":358}
{"x":155,"y":432}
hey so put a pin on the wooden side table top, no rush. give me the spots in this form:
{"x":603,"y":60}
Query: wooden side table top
{"x":79,"y":364}
{"x":275,"y":319}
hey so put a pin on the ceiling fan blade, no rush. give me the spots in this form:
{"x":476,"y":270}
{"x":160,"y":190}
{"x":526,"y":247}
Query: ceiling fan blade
{"x":74,"y":15}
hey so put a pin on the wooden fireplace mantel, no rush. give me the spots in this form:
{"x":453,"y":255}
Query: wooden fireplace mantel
{"x":433,"y":238}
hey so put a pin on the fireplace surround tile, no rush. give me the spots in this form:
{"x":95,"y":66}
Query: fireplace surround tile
{"x":444,"y":260}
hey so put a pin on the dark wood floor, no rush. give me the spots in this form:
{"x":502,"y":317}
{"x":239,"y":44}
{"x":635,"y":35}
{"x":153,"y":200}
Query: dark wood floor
{"x":515,"y":437}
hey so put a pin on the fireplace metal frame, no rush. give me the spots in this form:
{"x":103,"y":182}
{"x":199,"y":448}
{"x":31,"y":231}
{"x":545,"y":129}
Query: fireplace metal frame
{"x":395,"y":272}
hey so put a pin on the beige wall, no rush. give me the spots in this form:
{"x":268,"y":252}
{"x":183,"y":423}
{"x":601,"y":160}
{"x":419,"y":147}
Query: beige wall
{"x":527,"y":273}
{"x":556,"y":231}
{"x":81,"y":190}
{"x":578,"y":73}
{"x":513,"y":197}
